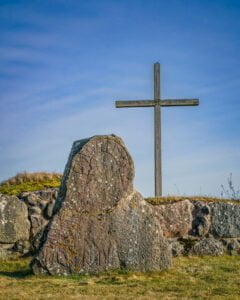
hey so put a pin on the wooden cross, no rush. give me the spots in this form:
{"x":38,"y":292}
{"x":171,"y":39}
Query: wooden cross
{"x":157,"y":103}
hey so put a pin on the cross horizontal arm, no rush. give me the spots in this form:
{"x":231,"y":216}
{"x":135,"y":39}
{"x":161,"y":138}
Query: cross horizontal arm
{"x":135,"y":103}
{"x":179,"y":102}
{"x":151,"y":103}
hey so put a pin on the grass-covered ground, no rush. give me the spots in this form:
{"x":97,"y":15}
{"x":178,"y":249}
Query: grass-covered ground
{"x":27,"y":182}
{"x":172,"y":199}
{"x":189,"y":278}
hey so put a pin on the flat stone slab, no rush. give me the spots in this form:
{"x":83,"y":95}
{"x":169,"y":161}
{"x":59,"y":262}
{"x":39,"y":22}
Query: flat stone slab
{"x":100,"y":222}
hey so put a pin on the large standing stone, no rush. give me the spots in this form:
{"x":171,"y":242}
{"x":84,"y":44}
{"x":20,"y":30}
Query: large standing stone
{"x":100,"y":222}
{"x":14,"y":224}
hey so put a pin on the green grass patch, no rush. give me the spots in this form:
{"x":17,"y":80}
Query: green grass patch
{"x":173,"y":199}
{"x":189,"y":278}
{"x":28,"y":187}
{"x":28,"y":182}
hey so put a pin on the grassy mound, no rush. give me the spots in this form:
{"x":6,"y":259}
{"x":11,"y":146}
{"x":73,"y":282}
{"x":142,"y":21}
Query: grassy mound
{"x":173,"y":199}
{"x":189,"y":278}
{"x":27,"y":182}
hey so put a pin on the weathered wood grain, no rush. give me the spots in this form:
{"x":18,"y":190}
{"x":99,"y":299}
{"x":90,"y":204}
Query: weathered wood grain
{"x":157,"y":132}
{"x":152,"y":103}
{"x":137,"y":103}
{"x":179,"y":102}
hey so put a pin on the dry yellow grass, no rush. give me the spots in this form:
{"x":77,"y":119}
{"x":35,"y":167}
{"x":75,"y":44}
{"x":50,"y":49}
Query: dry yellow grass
{"x":189,"y":278}
{"x":26,"y":182}
{"x":30,"y":177}
{"x":172,"y":199}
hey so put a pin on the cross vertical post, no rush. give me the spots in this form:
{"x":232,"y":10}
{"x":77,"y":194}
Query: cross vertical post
{"x":157,"y":102}
{"x":157,"y":132}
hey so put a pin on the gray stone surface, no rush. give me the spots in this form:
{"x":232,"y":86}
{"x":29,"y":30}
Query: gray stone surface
{"x":140,"y":243}
{"x":38,"y":224}
{"x":22,"y":247}
{"x":232,"y":245}
{"x":225,"y":220}
{"x":176,"y":218}
{"x":207,"y":246}
{"x":50,"y":209}
{"x":176,"y":247}
{"x":5,"y":254}
{"x":40,"y":210}
{"x":14,"y":224}
{"x":39,"y":200}
{"x":201,"y":219}
{"x":100,"y":222}
{"x":6,"y":251}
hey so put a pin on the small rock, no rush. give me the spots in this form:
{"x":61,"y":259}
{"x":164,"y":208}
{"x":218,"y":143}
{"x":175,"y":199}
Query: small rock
{"x":31,"y":199}
{"x":34,"y":210}
{"x":49,"y":194}
{"x":201,"y":219}
{"x":22,"y":247}
{"x":49,"y":210}
{"x":207,"y":246}
{"x":233,"y":247}
{"x":37,"y":223}
{"x":176,"y":247}
{"x":5,"y":254}
{"x":43,"y":204}
{"x":6,"y":246}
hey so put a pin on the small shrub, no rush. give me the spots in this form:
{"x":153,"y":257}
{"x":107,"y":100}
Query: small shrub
{"x":173,"y":199}
{"x":230,"y":192}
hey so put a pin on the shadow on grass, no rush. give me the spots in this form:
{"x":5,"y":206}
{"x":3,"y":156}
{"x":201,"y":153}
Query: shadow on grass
{"x":16,"y":274}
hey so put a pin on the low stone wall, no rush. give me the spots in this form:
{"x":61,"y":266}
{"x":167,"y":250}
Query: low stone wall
{"x":23,"y":220}
{"x":14,"y":224}
{"x":191,"y":227}
{"x":201,"y":228}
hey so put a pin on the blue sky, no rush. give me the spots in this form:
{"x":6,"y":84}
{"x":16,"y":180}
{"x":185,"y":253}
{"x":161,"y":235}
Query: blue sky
{"x":64,"y":63}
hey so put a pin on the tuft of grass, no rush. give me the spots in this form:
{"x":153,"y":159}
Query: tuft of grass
{"x":27,"y":182}
{"x":173,"y":199}
{"x":15,"y":268}
{"x":189,"y":278}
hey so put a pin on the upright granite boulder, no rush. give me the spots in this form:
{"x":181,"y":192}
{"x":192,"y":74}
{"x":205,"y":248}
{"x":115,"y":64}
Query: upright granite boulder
{"x":14,"y":224}
{"x":100,"y":222}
